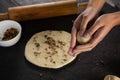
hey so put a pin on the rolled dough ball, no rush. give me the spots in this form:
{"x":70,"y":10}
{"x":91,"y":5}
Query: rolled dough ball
{"x":82,"y":40}
{"x":111,"y":77}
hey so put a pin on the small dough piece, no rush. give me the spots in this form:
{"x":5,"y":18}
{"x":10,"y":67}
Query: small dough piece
{"x":111,"y":77}
{"x":82,"y":40}
{"x":49,"y":49}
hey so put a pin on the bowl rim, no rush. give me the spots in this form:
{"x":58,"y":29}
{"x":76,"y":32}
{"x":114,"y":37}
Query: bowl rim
{"x":19,"y":33}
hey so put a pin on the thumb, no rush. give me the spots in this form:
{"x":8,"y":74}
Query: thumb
{"x":73,"y":40}
{"x":93,"y":29}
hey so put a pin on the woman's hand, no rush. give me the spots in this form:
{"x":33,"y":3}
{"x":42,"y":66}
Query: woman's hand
{"x":80,"y":25}
{"x":98,"y":31}
{"x":83,"y":19}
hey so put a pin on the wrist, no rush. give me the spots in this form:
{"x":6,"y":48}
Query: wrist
{"x":92,"y":10}
{"x":97,"y":5}
{"x":116,"y":18}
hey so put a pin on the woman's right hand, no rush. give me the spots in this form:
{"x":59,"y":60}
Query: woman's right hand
{"x":80,"y":24}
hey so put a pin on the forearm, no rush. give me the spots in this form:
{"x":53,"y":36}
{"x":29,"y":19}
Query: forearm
{"x":96,"y":4}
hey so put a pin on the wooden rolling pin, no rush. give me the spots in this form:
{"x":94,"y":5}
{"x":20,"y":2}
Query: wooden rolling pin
{"x":44,"y":10}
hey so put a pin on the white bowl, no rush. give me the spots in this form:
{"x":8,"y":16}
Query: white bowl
{"x":7,"y":24}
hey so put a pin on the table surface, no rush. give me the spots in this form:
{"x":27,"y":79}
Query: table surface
{"x":94,"y":65}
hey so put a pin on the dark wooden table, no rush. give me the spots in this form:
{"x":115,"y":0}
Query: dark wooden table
{"x":94,"y":65}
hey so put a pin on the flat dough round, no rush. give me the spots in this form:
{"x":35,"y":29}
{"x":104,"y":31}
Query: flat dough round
{"x":49,"y":49}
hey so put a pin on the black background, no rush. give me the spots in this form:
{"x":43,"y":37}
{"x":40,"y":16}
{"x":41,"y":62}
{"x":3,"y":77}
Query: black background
{"x":94,"y":65}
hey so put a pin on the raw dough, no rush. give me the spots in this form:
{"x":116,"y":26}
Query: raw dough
{"x":111,"y":77}
{"x":49,"y":49}
{"x":82,"y":40}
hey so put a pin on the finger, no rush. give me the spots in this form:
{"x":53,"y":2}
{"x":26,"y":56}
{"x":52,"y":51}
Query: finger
{"x":73,"y":40}
{"x":87,"y":47}
{"x":82,"y":48}
{"x":70,"y":52}
{"x":73,"y":37}
{"x":93,"y":29}
{"x":100,"y":34}
{"x":76,"y":54}
{"x":83,"y":25}
{"x":77,"y":22}
{"x":74,"y":31}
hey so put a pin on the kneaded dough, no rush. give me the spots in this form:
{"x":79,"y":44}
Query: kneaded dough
{"x":82,"y":40}
{"x":49,"y":49}
{"x":111,"y":77}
